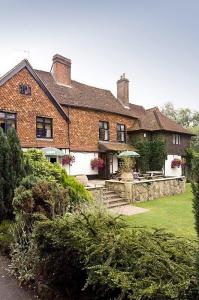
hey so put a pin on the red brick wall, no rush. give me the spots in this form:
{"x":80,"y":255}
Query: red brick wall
{"x":28,"y":108}
{"x":84,"y":128}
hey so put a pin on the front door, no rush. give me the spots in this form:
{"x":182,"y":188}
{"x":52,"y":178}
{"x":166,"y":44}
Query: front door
{"x":105,"y":172}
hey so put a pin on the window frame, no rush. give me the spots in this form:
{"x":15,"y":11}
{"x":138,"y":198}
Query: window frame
{"x":105,"y":130}
{"x":120,"y":132}
{"x":7,"y":119}
{"x":21,"y":86}
{"x":176,"y":139}
{"x":44,"y":123}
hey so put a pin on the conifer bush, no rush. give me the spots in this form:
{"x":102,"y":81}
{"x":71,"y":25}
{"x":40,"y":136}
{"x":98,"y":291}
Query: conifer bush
{"x":93,"y":253}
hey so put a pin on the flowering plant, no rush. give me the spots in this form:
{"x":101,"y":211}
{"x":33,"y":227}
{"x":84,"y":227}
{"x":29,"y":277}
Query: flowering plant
{"x":68,"y":160}
{"x":176,"y":162}
{"x":97,"y":163}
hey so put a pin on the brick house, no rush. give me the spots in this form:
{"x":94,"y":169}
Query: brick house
{"x":49,"y":109}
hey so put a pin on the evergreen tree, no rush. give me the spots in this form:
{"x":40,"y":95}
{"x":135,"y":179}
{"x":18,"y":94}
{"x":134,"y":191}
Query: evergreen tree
{"x":157,"y":154}
{"x":16,"y":167}
{"x":4,"y":173}
{"x":195,"y":188}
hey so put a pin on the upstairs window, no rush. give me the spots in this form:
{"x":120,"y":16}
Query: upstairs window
{"x":121,"y":133}
{"x":44,"y":128}
{"x":25,"y":89}
{"x":7,"y":120}
{"x":103,"y":131}
{"x":176,"y":139}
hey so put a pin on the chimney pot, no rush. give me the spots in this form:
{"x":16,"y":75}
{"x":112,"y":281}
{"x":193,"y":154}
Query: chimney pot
{"x":61,"y":69}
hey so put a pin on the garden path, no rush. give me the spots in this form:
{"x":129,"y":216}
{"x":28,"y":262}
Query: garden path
{"x":9,"y":287}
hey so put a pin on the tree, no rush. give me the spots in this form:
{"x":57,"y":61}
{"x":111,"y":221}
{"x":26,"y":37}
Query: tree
{"x":157,"y":154}
{"x":4,"y":173}
{"x":169,"y":111}
{"x":16,"y":167}
{"x":195,"y":188}
{"x":152,"y":153}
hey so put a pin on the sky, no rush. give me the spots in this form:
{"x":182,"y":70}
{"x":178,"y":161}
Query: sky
{"x":155,"y":42}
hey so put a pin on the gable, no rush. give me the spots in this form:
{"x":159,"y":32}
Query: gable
{"x":24,"y":65}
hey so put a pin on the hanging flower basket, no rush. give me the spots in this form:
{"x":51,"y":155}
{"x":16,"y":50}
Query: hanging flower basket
{"x":176,"y":163}
{"x":97,"y":163}
{"x":68,"y":160}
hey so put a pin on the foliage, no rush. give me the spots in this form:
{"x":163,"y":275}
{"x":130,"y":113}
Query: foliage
{"x":40,"y":167}
{"x":6,"y":237}
{"x":157,"y":153}
{"x":127,"y":164}
{"x":152,"y":153}
{"x":77,"y":192}
{"x":195,"y":187}
{"x":190,"y":154}
{"x":107,"y":261}
{"x":24,"y":257}
{"x":187,"y":118}
{"x":4,"y":174}
{"x":11,"y":170}
{"x":39,"y":197}
{"x":97,"y":163}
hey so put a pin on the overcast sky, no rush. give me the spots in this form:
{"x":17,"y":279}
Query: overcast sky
{"x":155,"y":42}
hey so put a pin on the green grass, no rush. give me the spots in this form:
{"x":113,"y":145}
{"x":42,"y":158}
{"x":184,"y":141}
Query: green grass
{"x":174,"y":214}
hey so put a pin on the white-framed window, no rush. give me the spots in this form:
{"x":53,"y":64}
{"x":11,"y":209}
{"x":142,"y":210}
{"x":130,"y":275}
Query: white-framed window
{"x":176,"y":139}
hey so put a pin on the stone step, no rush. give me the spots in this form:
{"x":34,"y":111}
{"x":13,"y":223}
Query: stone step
{"x":111,"y":200}
{"x":118,"y":204}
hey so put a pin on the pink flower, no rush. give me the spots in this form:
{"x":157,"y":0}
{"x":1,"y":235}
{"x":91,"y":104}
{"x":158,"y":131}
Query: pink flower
{"x":97,"y":163}
{"x":68,"y":160}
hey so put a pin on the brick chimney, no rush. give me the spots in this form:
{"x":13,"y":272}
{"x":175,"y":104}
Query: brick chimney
{"x":61,"y":70}
{"x":123,"y":90}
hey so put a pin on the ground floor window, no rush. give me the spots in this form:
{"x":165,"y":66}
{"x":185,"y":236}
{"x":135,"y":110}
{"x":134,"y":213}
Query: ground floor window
{"x":44,"y":128}
{"x":7,"y":120}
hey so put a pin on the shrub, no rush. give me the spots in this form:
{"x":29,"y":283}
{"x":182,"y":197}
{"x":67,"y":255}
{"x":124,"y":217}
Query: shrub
{"x":152,"y":153}
{"x":40,"y":167}
{"x":24,"y":257}
{"x":94,"y":253}
{"x":127,"y":164}
{"x":6,"y":237}
{"x":40,"y":197}
{"x":11,"y":171}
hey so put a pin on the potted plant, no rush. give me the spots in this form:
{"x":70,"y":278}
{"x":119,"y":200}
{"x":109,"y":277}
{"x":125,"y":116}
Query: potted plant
{"x":126,"y":168}
{"x":68,"y":160}
{"x":97,"y":163}
{"x":176,"y":163}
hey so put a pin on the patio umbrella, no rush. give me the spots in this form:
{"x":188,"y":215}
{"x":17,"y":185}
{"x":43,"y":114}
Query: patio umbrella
{"x":50,"y":151}
{"x":128,"y":154}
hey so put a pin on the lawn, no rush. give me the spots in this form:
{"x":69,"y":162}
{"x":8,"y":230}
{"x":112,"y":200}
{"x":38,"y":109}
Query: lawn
{"x":171,"y":213}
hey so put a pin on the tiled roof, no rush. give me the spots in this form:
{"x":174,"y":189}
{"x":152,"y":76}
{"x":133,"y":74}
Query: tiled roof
{"x":115,"y":147}
{"x":154,"y":120}
{"x":85,"y":96}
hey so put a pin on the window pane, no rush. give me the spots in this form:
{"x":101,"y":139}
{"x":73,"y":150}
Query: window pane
{"x":48,"y":131}
{"x":48,"y":121}
{"x":2,"y":115}
{"x":40,"y":120}
{"x":10,"y":116}
{"x":10,"y":124}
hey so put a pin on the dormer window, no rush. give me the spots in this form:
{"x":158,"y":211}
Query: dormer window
{"x":25,"y":89}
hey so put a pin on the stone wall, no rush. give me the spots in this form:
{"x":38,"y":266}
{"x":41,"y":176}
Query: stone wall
{"x":145,"y":190}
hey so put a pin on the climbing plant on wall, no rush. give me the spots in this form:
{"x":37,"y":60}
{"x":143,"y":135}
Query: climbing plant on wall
{"x":152,"y":153}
